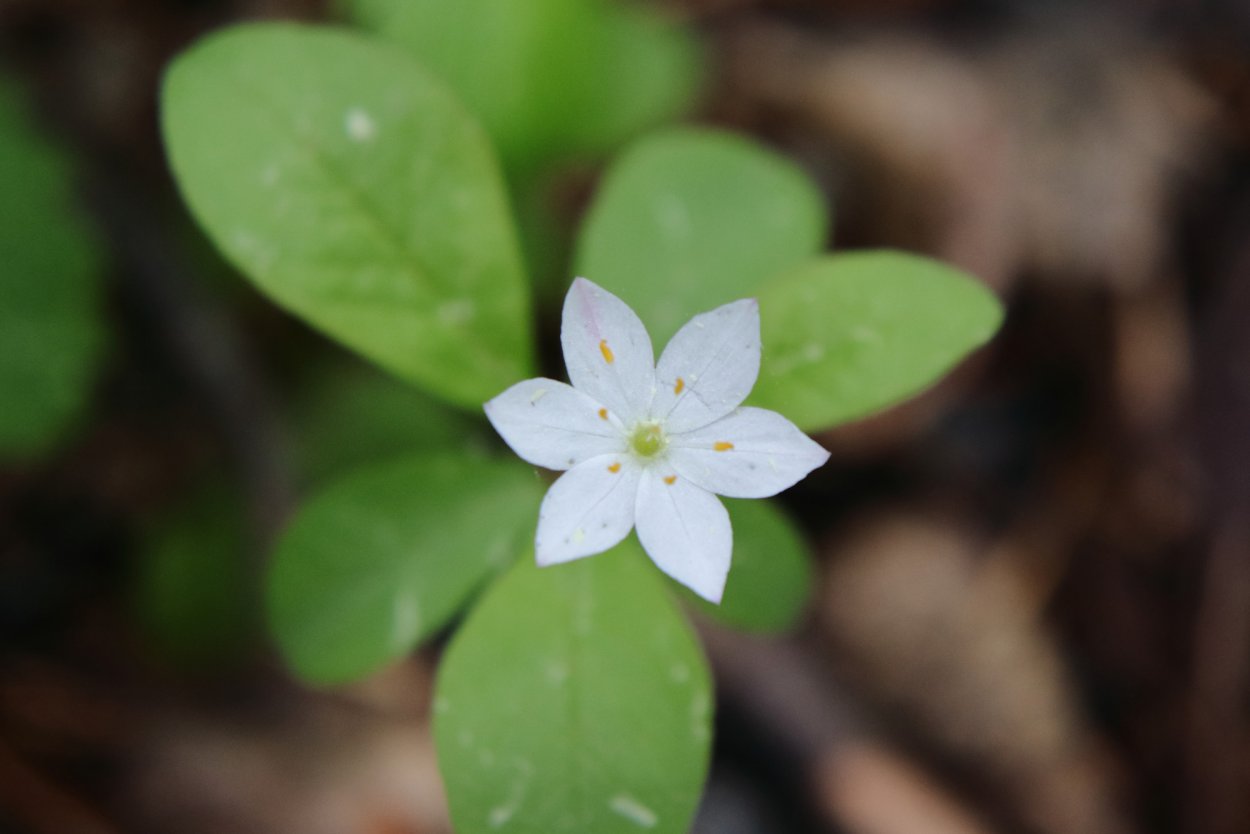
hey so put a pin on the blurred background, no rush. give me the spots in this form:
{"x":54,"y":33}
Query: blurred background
{"x":1031,"y":610}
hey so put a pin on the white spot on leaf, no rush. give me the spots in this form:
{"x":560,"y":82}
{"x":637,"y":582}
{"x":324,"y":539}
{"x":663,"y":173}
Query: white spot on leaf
{"x":258,"y":254}
{"x":699,"y":714}
{"x":456,"y":312}
{"x":405,"y":618}
{"x":865,"y":334}
{"x":557,"y":673}
{"x":499,"y":816}
{"x":359,"y":125}
{"x":672,"y":215}
{"x":633,"y":810}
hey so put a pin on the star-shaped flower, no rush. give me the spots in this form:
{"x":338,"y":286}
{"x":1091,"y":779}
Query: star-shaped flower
{"x":647,"y":445}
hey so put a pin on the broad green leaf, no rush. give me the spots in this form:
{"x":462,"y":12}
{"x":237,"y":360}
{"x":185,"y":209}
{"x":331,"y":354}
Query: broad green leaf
{"x":847,"y":335}
{"x":548,"y":78}
{"x":352,"y":188}
{"x":195,"y":592}
{"x":51,"y":334}
{"x":384,"y":557}
{"x":348,"y":414}
{"x":688,"y":219}
{"x":771,"y":573}
{"x":574,"y":699}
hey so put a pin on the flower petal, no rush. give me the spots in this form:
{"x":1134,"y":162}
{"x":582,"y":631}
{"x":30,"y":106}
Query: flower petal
{"x":752,"y":453}
{"x":709,"y":367}
{"x":685,"y":530}
{"x":587,"y":510}
{"x":607,"y":350}
{"x":554,"y":425}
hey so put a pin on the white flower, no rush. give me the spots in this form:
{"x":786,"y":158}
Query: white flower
{"x":647,"y":445}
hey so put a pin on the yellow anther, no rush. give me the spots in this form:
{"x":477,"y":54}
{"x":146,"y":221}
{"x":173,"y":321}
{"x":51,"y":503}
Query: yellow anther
{"x":670,"y":479}
{"x":680,"y":386}
{"x":722,"y":445}
{"x":614,"y":468}
{"x":603,"y":414}
{"x":606,"y":351}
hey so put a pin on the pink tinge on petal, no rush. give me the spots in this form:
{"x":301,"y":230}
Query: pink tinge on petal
{"x":607,"y":350}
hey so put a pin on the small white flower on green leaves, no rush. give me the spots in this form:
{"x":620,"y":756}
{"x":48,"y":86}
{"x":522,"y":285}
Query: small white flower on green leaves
{"x":647,"y":445}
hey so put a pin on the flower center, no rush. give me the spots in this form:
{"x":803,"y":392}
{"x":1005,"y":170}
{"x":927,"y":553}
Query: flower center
{"x":648,"y":439}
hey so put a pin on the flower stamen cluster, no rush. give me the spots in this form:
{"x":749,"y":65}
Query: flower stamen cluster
{"x":647,"y":439}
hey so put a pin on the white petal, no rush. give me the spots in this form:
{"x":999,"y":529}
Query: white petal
{"x":752,"y":453}
{"x":607,"y":350}
{"x":685,"y":530}
{"x":554,"y":425}
{"x":587,"y":510}
{"x":709,"y":367}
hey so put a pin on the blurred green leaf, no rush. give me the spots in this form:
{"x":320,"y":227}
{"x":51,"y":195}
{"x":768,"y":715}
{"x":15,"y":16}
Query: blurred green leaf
{"x":771,"y":575}
{"x":195,"y":594}
{"x":50,"y":328}
{"x":347,"y":414}
{"x":548,"y":78}
{"x":356,"y":192}
{"x":847,"y":335}
{"x":687,"y":220}
{"x":574,"y":699}
{"x":384,"y":557}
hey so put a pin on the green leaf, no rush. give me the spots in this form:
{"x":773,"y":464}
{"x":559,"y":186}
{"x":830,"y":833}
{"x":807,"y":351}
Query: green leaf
{"x":196,"y":597}
{"x":349,"y":414}
{"x":637,"y":72}
{"x":771,"y":575}
{"x":687,"y":220}
{"x":548,"y":78}
{"x":574,"y":699}
{"x":352,"y":188}
{"x":847,"y":335}
{"x":386,"y":556}
{"x":51,"y":333}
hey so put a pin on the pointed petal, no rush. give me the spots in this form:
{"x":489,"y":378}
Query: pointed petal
{"x":752,"y":453}
{"x":709,"y":367}
{"x":685,"y":530}
{"x":607,"y":350}
{"x":554,"y":425}
{"x":587,"y":510}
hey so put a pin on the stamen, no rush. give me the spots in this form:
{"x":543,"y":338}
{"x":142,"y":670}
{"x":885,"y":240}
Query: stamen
{"x":606,"y":351}
{"x":603,"y":414}
{"x":648,"y":439}
{"x":670,"y":479}
{"x":614,"y":468}
{"x":722,"y":445}
{"x":680,"y":386}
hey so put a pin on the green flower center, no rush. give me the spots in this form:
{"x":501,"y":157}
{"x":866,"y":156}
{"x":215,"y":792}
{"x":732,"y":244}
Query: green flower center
{"x":648,"y":439}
